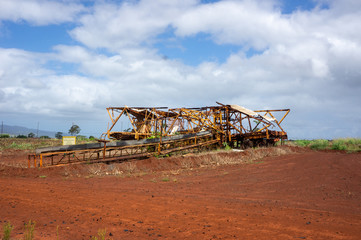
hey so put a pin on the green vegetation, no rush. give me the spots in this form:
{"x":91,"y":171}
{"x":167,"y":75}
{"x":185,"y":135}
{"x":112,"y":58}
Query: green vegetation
{"x":59,"y":135}
{"x":80,"y":139}
{"x":101,"y":234}
{"x":319,"y":144}
{"x":348,"y":144}
{"x":34,"y":143}
{"x":29,"y":230}
{"x":21,"y":146}
{"x":226,"y":146}
{"x":342,"y":144}
{"x":4,"y":135}
{"x":31,"y":135}
{"x":7,"y":228}
{"x":302,"y":143}
{"x":165,"y":179}
{"x":74,"y":129}
{"x":27,"y":143}
{"x":21,"y":136}
{"x":154,"y":135}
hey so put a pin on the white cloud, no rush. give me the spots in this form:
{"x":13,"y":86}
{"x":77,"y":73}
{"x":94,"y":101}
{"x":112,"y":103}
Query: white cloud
{"x":130,"y":23}
{"x":16,"y":66}
{"x":39,"y":12}
{"x":28,"y":87}
{"x":249,"y":23}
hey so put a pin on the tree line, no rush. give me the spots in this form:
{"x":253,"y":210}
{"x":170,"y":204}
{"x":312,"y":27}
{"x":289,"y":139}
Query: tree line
{"x":73,"y":131}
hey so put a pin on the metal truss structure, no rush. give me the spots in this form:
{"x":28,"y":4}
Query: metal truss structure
{"x":227,"y":122}
{"x":160,"y":131}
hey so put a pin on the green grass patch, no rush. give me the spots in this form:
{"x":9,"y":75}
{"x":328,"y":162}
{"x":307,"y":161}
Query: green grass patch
{"x":341,"y":144}
{"x":29,"y":230}
{"x":227,"y":147}
{"x":27,"y":143}
{"x":338,"y":145}
{"x":302,"y":143}
{"x":33,"y":143}
{"x":165,"y":179}
{"x":7,"y":229}
{"x":347,"y":144}
{"x":319,"y":144}
{"x":101,"y":235}
{"x":21,"y":146}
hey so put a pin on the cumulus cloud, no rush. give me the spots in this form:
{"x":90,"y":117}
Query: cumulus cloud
{"x":39,"y":12}
{"x":16,"y":66}
{"x":28,"y":87}
{"x":249,"y":23}
{"x":130,"y":23}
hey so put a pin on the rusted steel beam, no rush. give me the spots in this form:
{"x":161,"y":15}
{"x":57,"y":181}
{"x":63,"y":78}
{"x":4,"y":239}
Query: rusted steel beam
{"x":173,"y":129}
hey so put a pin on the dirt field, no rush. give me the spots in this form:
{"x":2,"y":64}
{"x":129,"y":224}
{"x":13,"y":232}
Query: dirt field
{"x":301,"y":194}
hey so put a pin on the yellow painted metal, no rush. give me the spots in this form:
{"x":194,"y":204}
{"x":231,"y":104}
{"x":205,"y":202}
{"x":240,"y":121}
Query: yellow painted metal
{"x":223,"y":122}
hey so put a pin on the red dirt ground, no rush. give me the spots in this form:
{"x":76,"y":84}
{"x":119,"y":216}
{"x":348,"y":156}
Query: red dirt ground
{"x":301,"y":195}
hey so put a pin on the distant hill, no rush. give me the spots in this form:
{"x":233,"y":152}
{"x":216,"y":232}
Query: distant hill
{"x":17,"y":130}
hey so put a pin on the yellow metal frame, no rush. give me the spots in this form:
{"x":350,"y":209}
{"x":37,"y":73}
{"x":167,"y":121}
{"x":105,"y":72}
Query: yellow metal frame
{"x":224,"y":121}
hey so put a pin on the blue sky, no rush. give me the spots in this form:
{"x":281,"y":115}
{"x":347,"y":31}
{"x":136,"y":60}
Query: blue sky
{"x":28,"y":37}
{"x":72,"y":59}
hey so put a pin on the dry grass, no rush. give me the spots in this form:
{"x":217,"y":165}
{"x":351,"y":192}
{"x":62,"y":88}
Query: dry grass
{"x":27,"y":143}
{"x":186,"y":164}
{"x":99,"y":169}
{"x":15,"y":164}
{"x":130,"y":167}
{"x":116,"y":169}
{"x":189,"y":162}
{"x":248,"y":156}
{"x":175,"y":172}
{"x":96,"y":169}
{"x":257,"y":154}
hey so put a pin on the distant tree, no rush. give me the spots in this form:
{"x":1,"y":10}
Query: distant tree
{"x":81,"y":138}
{"x":91,"y":138}
{"x":4,"y":135}
{"x":31,"y":135}
{"x":59,"y":135}
{"x":21,"y":136}
{"x":74,"y":130}
{"x":45,"y":137}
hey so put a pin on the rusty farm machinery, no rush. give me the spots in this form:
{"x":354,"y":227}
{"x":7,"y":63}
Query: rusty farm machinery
{"x":160,"y":131}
